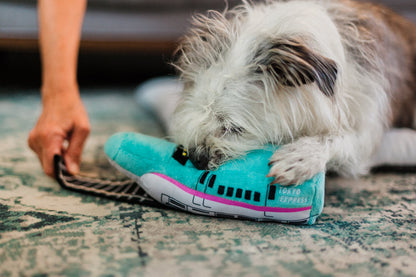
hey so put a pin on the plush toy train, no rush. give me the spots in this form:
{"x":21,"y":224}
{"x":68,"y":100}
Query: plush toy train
{"x":238,"y":189}
{"x":162,"y":176}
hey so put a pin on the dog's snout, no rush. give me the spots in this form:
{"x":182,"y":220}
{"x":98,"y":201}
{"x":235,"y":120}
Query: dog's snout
{"x":199,"y":160}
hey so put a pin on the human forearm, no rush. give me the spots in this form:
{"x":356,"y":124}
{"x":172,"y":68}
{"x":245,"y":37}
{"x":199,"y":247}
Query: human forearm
{"x":60,"y":23}
{"x":63,"y":126}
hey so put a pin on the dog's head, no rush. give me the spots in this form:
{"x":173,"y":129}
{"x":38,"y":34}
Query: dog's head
{"x":245,"y":88}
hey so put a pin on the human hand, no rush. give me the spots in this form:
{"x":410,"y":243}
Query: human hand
{"x":61,"y":129}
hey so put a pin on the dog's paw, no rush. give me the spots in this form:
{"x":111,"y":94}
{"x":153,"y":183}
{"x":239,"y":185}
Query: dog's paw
{"x":297,"y":162}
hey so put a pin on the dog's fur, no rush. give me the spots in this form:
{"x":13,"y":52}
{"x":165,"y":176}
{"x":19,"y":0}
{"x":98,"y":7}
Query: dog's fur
{"x":323,"y":78}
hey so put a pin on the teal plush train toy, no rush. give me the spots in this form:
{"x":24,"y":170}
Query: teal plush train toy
{"x":237,"y":189}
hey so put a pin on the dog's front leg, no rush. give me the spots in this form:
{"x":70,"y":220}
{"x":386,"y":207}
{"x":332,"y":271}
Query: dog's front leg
{"x":347,"y":154}
{"x":300,"y":160}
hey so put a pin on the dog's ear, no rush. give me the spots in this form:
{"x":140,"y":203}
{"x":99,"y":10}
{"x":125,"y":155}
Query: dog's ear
{"x":293,"y":64}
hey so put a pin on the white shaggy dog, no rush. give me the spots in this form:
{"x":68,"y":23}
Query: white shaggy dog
{"x":324,"y":79}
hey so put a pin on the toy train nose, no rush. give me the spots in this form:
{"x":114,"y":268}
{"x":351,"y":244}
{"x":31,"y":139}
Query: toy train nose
{"x":199,"y":160}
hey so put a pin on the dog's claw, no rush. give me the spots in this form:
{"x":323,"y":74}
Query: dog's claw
{"x":279,"y":180}
{"x":275,"y":182}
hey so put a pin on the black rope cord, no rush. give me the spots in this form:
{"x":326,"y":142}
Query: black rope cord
{"x":125,"y":191}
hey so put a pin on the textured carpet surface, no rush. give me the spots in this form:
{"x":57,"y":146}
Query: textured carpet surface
{"x":368,"y":227}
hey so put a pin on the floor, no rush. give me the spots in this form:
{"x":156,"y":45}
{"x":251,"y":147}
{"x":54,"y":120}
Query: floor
{"x":368,"y":226}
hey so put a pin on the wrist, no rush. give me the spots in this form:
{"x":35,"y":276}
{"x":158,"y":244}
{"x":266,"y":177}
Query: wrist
{"x":58,"y":81}
{"x":59,"y":92}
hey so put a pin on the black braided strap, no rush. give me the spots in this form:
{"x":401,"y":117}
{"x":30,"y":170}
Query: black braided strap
{"x":125,"y":191}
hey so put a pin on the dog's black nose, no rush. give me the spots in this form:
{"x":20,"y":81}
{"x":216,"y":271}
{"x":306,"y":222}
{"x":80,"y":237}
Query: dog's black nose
{"x":200,"y":161}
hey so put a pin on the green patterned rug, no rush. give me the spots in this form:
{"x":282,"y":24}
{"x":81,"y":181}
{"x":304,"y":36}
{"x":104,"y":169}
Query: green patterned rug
{"x":368,"y":226}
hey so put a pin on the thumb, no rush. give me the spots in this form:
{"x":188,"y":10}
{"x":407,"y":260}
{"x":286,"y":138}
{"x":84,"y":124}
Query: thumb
{"x":46,"y":155}
{"x":76,"y":144}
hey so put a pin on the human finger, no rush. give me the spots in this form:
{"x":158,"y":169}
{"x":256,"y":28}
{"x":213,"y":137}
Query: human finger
{"x":75,"y":147}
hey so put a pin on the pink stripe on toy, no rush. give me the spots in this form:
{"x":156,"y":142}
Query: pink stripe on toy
{"x":231,"y":202}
